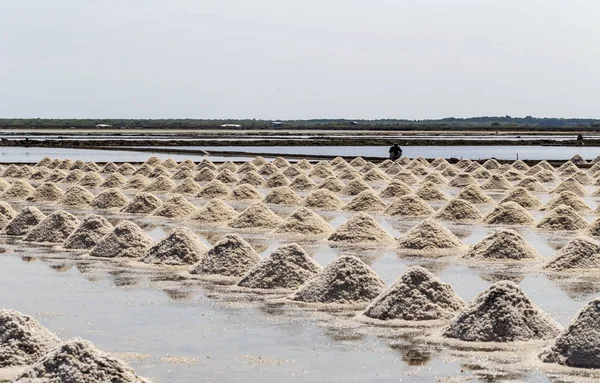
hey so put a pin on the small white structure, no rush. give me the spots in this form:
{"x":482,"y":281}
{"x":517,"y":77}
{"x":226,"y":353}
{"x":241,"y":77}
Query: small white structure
{"x":103,"y":126}
{"x":231,"y":126}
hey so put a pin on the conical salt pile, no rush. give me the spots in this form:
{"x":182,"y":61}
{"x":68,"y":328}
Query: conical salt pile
{"x":406,"y":177}
{"x":281,"y":162}
{"x":277,"y":180}
{"x":256,"y":216}
{"x":509,"y":213}
{"x":205,"y":175}
{"x":355,"y":187}
{"x":109,"y":199}
{"x":24,"y":340}
{"x":214,"y":211}
{"x":431,"y":237}
{"x":175,"y":207}
{"x":572,"y":186}
{"x":594,"y":229}
{"x":126,"y":169}
{"x":293,"y":171}
{"x":436,"y":178}
{"x":304,"y":164}
{"x":395,"y":188}
{"x":417,"y":295}
{"x":182,"y":174}
{"x":76,"y":197}
{"x":562,"y":218}
{"x":142,"y":203}
{"x":394,"y":169}
{"x":302,"y":182}
{"x":91,"y":180}
{"x":481,"y":174}
{"x":579,"y":254}
{"x":268,"y":169}
{"x":579,"y":343}
{"x":55,"y":228}
{"x":246,"y":167}
{"x":244,"y":192}
{"x":345,"y":280}
{"x":462,"y":180}
{"x":56,"y":176}
{"x":358,"y":162}
{"x":252,"y":178}
{"x":46,"y":161}
{"x":7,"y":213}
{"x":153,"y":161}
{"x":474,"y":194}
{"x":187,"y":186}
{"x":126,"y":240}
{"x":114,"y":180}
{"x":545,"y":165}
{"x":283,"y":195}
{"x":321,"y":171}
{"x":337,"y":160}
{"x":137,"y":182}
{"x":520,"y":165}
{"x":409,"y":205}
{"x":375,"y":175}
{"x":109,"y":167}
{"x":491,"y":164}
{"x":361,"y":228}
{"x":523,"y":197}
{"x":513,"y":175}
{"x":18,"y":191}
{"x":288,"y":267}
{"x":169,"y":163}
{"x":38,"y":175}
{"x":161,"y":184}
{"x":89,"y":233}
{"x":431,"y":192}
{"x":227,"y":177}
{"x":582,"y":178}
{"x":332,"y":183}
{"x":450,"y":172}
{"x":304,"y":222}
{"x":503,"y":245}
{"x":569,"y":199}
{"x":22,"y":223}
{"x":214,"y":189}
{"x":502,"y":313}
{"x":65,"y":164}
{"x":366,"y":201}
{"x":231,"y":256}
{"x":186,"y":164}
{"x":323,"y":199}
{"x":497,"y":182}
{"x":206,"y":164}
{"x":3,"y":185}
{"x":180,"y":247}
{"x":458,"y":210}
{"x":78,"y":360}
{"x":158,"y":171}
{"x":532,"y":184}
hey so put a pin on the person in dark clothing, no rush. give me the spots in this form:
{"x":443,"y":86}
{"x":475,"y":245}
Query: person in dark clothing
{"x":395,"y":152}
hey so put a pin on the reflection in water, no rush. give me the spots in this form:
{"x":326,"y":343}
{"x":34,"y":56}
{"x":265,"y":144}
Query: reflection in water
{"x":28,"y":258}
{"x":211,"y":236}
{"x":414,"y":355}
{"x":577,"y":288}
{"x":502,"y":275}
{"x":122,"y":278}
{"x":435,"y":266}
{"x":60,"y":267}
{"x":179,"y":294}
{"x":338,"y":334}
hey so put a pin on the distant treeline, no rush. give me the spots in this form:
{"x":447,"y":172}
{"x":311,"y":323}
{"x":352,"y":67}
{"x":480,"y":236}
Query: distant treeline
{"x":471,"y":123}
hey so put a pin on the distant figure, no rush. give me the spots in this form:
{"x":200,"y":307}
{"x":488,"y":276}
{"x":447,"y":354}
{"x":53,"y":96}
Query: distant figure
{"x":580,"y":137}
{"x":395,"y":152}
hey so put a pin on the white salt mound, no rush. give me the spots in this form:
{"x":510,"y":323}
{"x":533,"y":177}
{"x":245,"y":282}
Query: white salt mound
{"x":579,"y":344}
{"x":142,"y":203}
{"x":7,"y":213}
{"x":431,"y":192}
{"x":282,"y":195}
{"x":126,"y":240}
{"x":345,"y":280}
{"x":28,"y":218}
{"x":47,"y":192}
{"x":180,"y":247}
{"x":497,"y":182}
{"x":288,"y":267}
{"x":331,"y":183}
{"x":562,"y":218}
{"x":579,"y":254}
{"x":304,"y":222}
{"x":110,"y":167}
{"x":78,"y":360}
{"x":366,"y":201}
{"x":175,"y":207}
{"x":302,"y":182}
{"x":76,"y":196}
{"x":22,"y":339}
{"x":55,"y":228}
{"x":523,"y":197}
{"x":91,"y":180}
{"x":256,"y":216}
{"x":395,"y":188}
{"x":187,"y":186}
{"x":231,"y":256}
{"x":502,"y":313}
{"x":161,"y":184}
{"x":361,"y":228}
{"x":569,"y":199}
{"x":277,"y":180}
{"x":214,"y":189}
{"x":323,"y":199}
{"x":89,"y":233}
{"x":355,"y":187}
{"x":570,"y":185}
{"x":458,"y":210}
{"x":509,"y":213}
{"x":137,"y":182}
{"x":417,"y":295}
{"x":244,"y":192}
{"x":474,"y":194}
{"x":109,"y":199}
{"x":114,"y":180}
{"x":214,"y":211}
{"x":431,"y":237}
{"x":503,"y":244}
{"x":18,"y":191}
{"x":409,"y":205}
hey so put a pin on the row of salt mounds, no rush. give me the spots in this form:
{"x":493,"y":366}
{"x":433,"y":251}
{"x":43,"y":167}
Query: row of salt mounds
{"x":430,"y":237}
{"x":502,"y":313}
{"x":142,"y":203}
{"x":78,"y":360}
{"x":304,"y":222}
{"x":76,"y":197}
{"x":22,"y":223}
{"x":256,"y":216}
{"x":345,"y":280}
{"x":417,"y":295}
{"x":503,"y":244}
{"x":570,"y":185}
{"x":288,"y":267}
{"x":580,"y":253}
{"x":361,"y":229}
{"x":231,"y":256}
{"x":569,"y":199}
{"x":89,"y":233}
{"x":282,"y":196}
{"x":579,"y":344}
{"x":126,"y":240}
{"x":509,"y":213}
{"x":458,"y":210}
{"x":55,"y":228}
{"x":22,"y":339}
{"x":180,"y":247}
{"x":562,"y":218}
{"x":7,"y":213}
{"x":409,"y":205}
{"x":214,"y":211}
{"x":18,"y":191}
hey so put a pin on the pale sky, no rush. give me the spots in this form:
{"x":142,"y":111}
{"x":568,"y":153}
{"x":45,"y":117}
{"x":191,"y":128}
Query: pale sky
{"x":284,"y":59}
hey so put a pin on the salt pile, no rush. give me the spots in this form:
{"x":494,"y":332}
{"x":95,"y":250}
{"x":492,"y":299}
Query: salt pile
{"x":252,"y":178}
{"x":497,"y":182}
{"x":502,"y":313}
{"x":481,"y":174}
{"x":227,"y":177}
{"x":76,"y":196}
{"x":91,"y":180}
{"x":89,"y":233}
{"x":28,"y":218}
{"x":259,"y":161}
{"x":109,"y":199}
{"x":394,"y":169}
{"x":323,"y":199}
{"x":109,"y":167}
{"x":126,"y":240}
{"x":594,"y":229}
{"x":231,"y":256}
{"x":345,"y":280}
{"x":366,"y":201}
{"x":513,"y":175}
{"x":431,"y":237}
{"x":474,"y":194}
{"x":268,"y":170}
{"x":302,"y":182}
{"x":19,"y":190}
{"x":23,"y":340}
{"x":436,"y":178}
{"x":137,"y":182}
{"x":395,"y":188}
{"x":567,"y":168}
{"x":321,"y":171}
{"x":160,"y":184}
{"x":331,"y":183}
{"x":91,"y":167}
{"x":114,"y":180}
{"x":562,"y":218}
{"x":175,"y":207}
{"x":3,"y":185}
{"x":375,"y":175}
{"x":579,"y":344}
{"x":214,"y":189}
{"x":582,"y":178}
{"x":358,"y":162}
{"x":531,"y":184}
{"x":406,"y":177}
{"x":55,"y":176}
{"x":417,"y":295}
{"x":159,"y":171}
{"x":523,"y":197}
{"x":153,"y":161}
{"x":180,"y":247}
{"x":450,"y":172}
{"x":78,"y":360}
{"x":187,"y":164}
{"x":40,"y":174}
{"x":277,"y":180}
{"x":520,"y":165}
{"x":458,"y":210}
{"x":579,"y":254}
{"x":187,"y":186}
{"x":569,"y":199}
{"x":293,"y":171}
{"x":182,"y":174}
{"x":256,"y":216}
{"x":337,"y":160}
{"x":205,"y":175}
{"x":281,"y":162}
{"x":304,"y":164}
{"x":288,"y":267}
{"x":509,"y":213}
{"x":409,"y":205}
{"x":14,"y":171}
{"x":214,"y":211}
{"x":46,"y":161}
{"x":55,"y":228}
{"x":491,"y":164}
{"x":503,"y":244}
{"x":244,"y":192}
{"x":304,"y":222}
{"x":246,"y":167}
{"x":361,"y":228}
{"x":169,"y":163}
{"x":355,"y":187}
{"x":142,"y":203}
{"x":431,"y":192}
{"x":7,"y":213}
{"x":283,"y":195}
{"x":462,"y":179}
{"x":572,"y":186}
{"x":206,"y":164}
{"x":126,"y":169}
{"x":143,"y":170}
